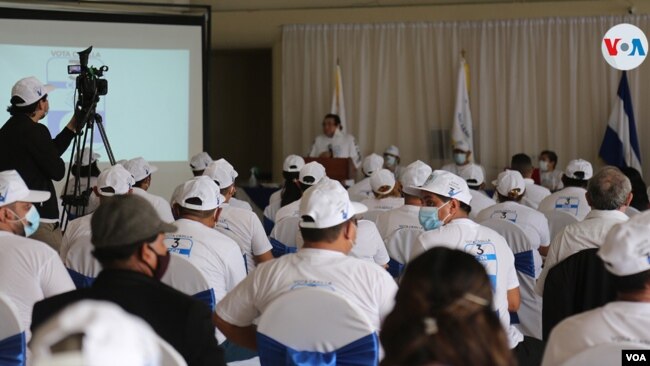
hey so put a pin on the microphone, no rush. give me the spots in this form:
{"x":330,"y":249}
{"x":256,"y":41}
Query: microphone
{"x":329,"y":148}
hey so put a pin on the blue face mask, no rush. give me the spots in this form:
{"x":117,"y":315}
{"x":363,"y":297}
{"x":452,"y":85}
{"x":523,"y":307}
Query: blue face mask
{"x":460,"y":158}
{"x":30,"y":221}
{"x":429,"y":219}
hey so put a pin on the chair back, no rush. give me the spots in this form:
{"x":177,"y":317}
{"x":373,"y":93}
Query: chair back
{"x":400,"y":243}
{"x":286,"y":230}
{"x":13,"y":347}
{"x":82,"y":266}
{"x":185,"y":277}
{"x":528,"y":264}
{"x":313,"y":325}
{"x":602,"y":354}
{"x":557,"y":220}
{"x":575,"y":285}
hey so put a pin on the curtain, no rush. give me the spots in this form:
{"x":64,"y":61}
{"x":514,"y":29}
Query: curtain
{"x":535,"y":84}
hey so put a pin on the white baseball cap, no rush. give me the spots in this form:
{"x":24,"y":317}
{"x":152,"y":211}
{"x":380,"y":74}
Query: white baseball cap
{"x":392,"y":150}
{"x":414,"y":175}
{"x":222,"y":172}
{"x":311,"y":173}
{"x":111,"y":336}
{"x":372,"y":163}
{"x":13,"y":189}
{"x":626,"y":250}
{"x":86,"y":157}
{"x":293,"y":163}
{"x":117,"y":178}
{"x":509,"y":180}
{"x":579,"y":169}
{"x":382,"y":178}
{"x":140,"y":168}
{"x":203,"y":188}
{"x":447,"y":184}
{"x":30,"y":90}
{"x":200,"y":161}
{"x":473,"y":173}
{"x":461,"y":145}
{"x":327,"y":204}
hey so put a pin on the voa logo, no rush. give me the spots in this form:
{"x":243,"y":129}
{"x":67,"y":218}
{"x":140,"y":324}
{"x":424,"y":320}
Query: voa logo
{"x":624,"y":46}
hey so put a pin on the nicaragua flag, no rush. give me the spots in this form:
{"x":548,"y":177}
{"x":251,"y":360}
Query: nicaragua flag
{"x":338,"y":104}
{"x":620,"y":145}
{"x":461,"y":129}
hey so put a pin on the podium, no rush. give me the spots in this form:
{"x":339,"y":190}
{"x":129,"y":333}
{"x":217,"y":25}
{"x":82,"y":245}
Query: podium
{"x":340,"y":169}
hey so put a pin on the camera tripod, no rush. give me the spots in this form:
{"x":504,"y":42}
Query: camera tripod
{"x":74,"y":204}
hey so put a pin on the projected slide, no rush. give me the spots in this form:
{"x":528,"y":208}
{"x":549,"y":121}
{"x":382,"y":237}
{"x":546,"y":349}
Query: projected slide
{"x":146,"y":111}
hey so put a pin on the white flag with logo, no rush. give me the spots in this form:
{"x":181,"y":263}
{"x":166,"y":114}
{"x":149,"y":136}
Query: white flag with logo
{"x":338,"y":104}
{"x":461,"y":129}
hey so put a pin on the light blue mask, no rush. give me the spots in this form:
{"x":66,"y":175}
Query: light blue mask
{"x":429,"y":219}
{"x":460,"y":158}
{"x":30,"y":221}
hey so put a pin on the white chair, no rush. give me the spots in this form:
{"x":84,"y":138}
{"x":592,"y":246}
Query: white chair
{"x":400,"y":243}
{"x":286,"y":230}
{"x":185,"y":277}
{"x":602,"y":354}
{"x":528,"y":264}
{"x":557,"y":220}
{"x":169,"y":355}
{"x":82,"y":266}
{"x":315,"y":324}
{"x":13,"y":347}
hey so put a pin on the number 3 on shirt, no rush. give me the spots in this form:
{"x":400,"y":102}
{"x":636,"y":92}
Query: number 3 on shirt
{"x":486,"y":254}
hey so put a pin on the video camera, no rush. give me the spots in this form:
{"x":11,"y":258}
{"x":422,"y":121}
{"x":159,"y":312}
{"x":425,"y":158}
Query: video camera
{"x":90,"y":86}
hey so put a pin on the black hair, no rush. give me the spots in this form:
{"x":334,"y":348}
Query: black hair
{"x":184,"y":211}
{"x":552,"y":156}
{"x":640,"y":199}
{"x":335,"y":117}
{"x":521,"y":163}
{"x":463,"y":206}
{"x":291,"y":191}
{"x":14,"y":110}
{"x":631,"y":283}
{"x":328,"y":235}
{"x":571,"y":182}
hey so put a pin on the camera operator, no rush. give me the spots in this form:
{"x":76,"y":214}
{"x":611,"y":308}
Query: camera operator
{"x":28,"y":147}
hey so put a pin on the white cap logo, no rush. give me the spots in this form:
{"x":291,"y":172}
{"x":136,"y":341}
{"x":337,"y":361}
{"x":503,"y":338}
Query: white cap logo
{"x":624,"y":46}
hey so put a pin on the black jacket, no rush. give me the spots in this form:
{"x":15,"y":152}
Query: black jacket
{"x":29,"y":148}
{"x":184,"y":322}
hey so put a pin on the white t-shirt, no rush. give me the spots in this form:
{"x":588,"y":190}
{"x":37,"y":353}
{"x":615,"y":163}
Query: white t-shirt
{"x":616,"y":322}
{"x":286,"y":224}
{"x":399,"y":228}
{"x":246,"y":230}
{"x":534,"y":194}
{"x":290,"y":210}
{"x":378,"y":206}
{"x":365,"y":284}
{"x":589,"y":233}
{"x":160,"y":204}
{"x":77,"y":231}
{"x":552,"y":180}
{"x":275,"y":202}
{"x":571,"y":200}
{"x":491,"y":250}
{"x":342,"y":145}
{"x":361,"y":190}
{"x":459,"y":169}
{"x":479,"y":202}
{"x":240,"y":204}
{"x":533,"y":222}
{"x":29,"y":272}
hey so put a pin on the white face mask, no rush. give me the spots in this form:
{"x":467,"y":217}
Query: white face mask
{"x":543,"y":165}
{"x":460,"y":158}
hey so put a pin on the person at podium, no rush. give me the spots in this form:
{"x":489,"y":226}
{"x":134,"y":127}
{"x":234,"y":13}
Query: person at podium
{"x":334,"y":143}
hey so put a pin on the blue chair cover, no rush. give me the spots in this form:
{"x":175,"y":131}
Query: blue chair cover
{"x":80,"y":281}
{"x":525,"y":263}
{"x":268,"y":225}
{"x":514,"y":318}
{"x":362,"y":352}
{"x":395,"y":268}
{"x":280,"y":249}
{"x":13,"y":350}
{"x":207,"y":297}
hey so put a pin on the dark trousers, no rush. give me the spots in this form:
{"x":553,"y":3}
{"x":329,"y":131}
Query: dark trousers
{"x":529,"y":352}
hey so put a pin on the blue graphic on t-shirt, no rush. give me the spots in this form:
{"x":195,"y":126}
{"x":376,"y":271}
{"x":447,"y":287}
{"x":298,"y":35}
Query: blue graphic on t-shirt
{"x":568,"y":204}
{"x":179,"y":245}
{"x":505,"y":215}
{"x":485,"y":252}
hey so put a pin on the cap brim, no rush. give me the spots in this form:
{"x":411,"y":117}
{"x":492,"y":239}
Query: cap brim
{"x":359,"y":208}
{"x":36,"y":196}
{"x":152,"y":169}
{"x":166,"y":227}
